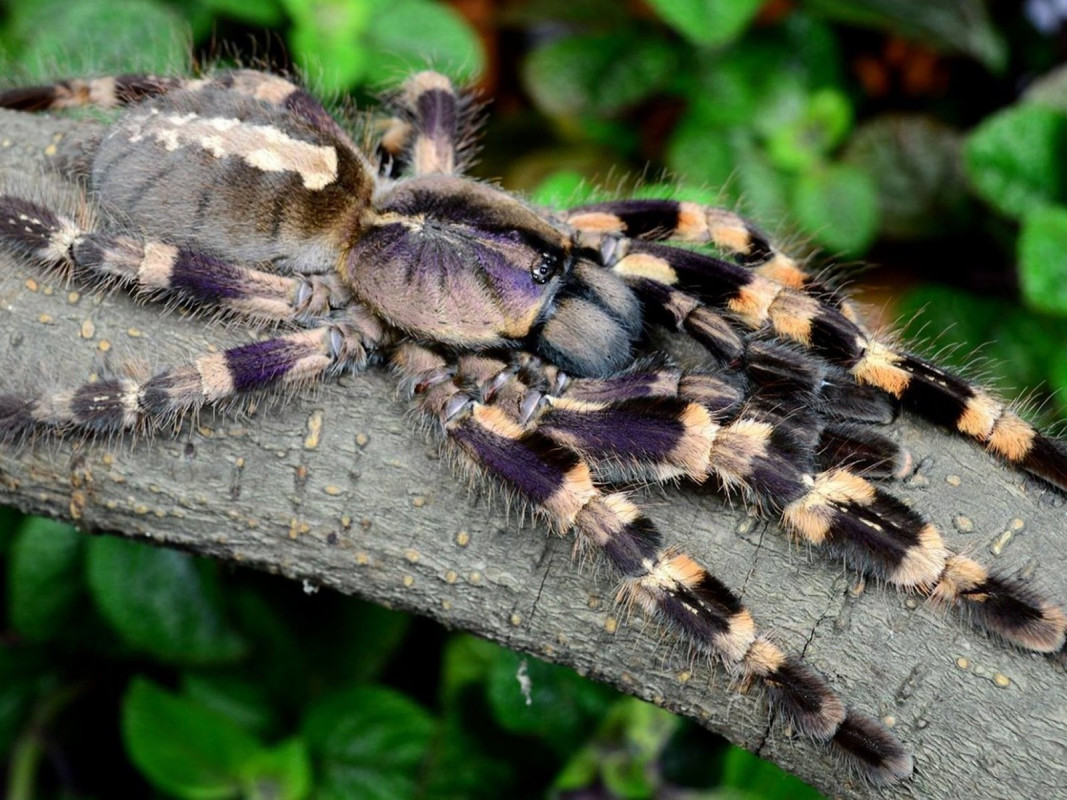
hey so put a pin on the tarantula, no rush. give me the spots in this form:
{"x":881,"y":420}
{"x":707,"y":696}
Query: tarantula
{"x":522,"y":335}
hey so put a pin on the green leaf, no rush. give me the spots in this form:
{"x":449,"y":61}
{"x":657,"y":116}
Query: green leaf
{"x":1057,"y":377}
{"x":408,"y":35}
{"x":101,"y":37}
{"x":915,"y":163}
{"x":731,"y":163}
{"x":345,"y":43}
{"x":624,"y":753}
{"x":467,"y":660}
{"x":44,"y":577}
{"x":709,"y":23}
{"x":599,"y":74}
{"x":367,"y":742}
{"x":373,"y":634}
{"x":462,"y":766}
{"x":838,"y":206}
{"x":760,"y":778}
{"x":181,"y":747}
{"x":327,"y":40}
{"x":241,"y":700}
{"x":551,"y":702}
{"x":1043,"y":259}
{"x":280,"y":773}
{"x":1015,"y":161}
{"x":819,"y":127}
{"x":565,"y":189}
{"x":699,"y":154}
{"x":960,"y":26}
{"x":161,"y":602}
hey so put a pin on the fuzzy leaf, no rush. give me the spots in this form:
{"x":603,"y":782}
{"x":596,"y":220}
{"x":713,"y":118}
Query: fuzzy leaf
{"x":759,"y":778}
{"x":327,"y":40}
{"x":408,"y":35}
{"x":265,"y":13}
{"x":818,"y":128}
{"x":241,"y":700}
{"x":1019,"y":343}
{"x":279,"y":773}
{"x":522,"y":690}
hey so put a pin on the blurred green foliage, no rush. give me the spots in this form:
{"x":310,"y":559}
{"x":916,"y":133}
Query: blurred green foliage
{"x":886,"y":129}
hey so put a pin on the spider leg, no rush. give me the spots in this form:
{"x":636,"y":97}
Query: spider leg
{"x":732,"y":234}
{"x":431,"y":130}
{"x":120,"y":404}
{"x":662,"y":424}
{"x":115,"y":91}
{"x":759,"y":303}
{"x":105,"y":92}
{"x":151,"y":267}
{"x":827,"y":389}
{"x":805,"y":395}
{"x":663,"y":581}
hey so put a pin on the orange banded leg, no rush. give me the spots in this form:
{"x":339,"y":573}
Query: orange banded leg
{"x":759,"y":303}
{"x":663,"y":581}
{"x":657,"y":425}
{"x":677,"y":220}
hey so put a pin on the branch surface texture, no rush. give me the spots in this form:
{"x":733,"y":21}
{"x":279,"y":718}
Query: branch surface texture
{"x":334,"y":487}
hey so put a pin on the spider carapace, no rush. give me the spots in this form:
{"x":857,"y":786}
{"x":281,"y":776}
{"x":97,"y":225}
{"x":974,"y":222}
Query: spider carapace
{"x":522,"y":335}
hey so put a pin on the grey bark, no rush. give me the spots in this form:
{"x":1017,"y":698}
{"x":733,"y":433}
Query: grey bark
{"x":335,"y":488}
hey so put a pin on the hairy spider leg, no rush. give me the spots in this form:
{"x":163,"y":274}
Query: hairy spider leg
{"x":432,"y":129}
{"x":659,"y":424}
{"x":663,"y":581}
{"x":663,"y":220}
{"x":784,"y":375}
{"x":148,"y":267}
{"x":803,"y":395}
{"x":643,"y":426}
{"x":120,"y":404}
{"x":760,"y":303}
{"x":115,"y":91}
{"x":108,"y":91}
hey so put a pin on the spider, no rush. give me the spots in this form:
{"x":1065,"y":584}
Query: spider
{"x":522,"y":336}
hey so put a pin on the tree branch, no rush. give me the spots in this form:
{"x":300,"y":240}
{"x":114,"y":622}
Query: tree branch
{"x":337,"y":490}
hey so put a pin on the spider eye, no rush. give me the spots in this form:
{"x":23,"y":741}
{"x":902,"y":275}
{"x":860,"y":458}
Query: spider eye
{"x":547,"y":266}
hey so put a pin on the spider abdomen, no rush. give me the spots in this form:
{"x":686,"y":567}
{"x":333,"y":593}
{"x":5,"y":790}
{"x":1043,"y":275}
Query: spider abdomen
{"x":233,"y":176}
